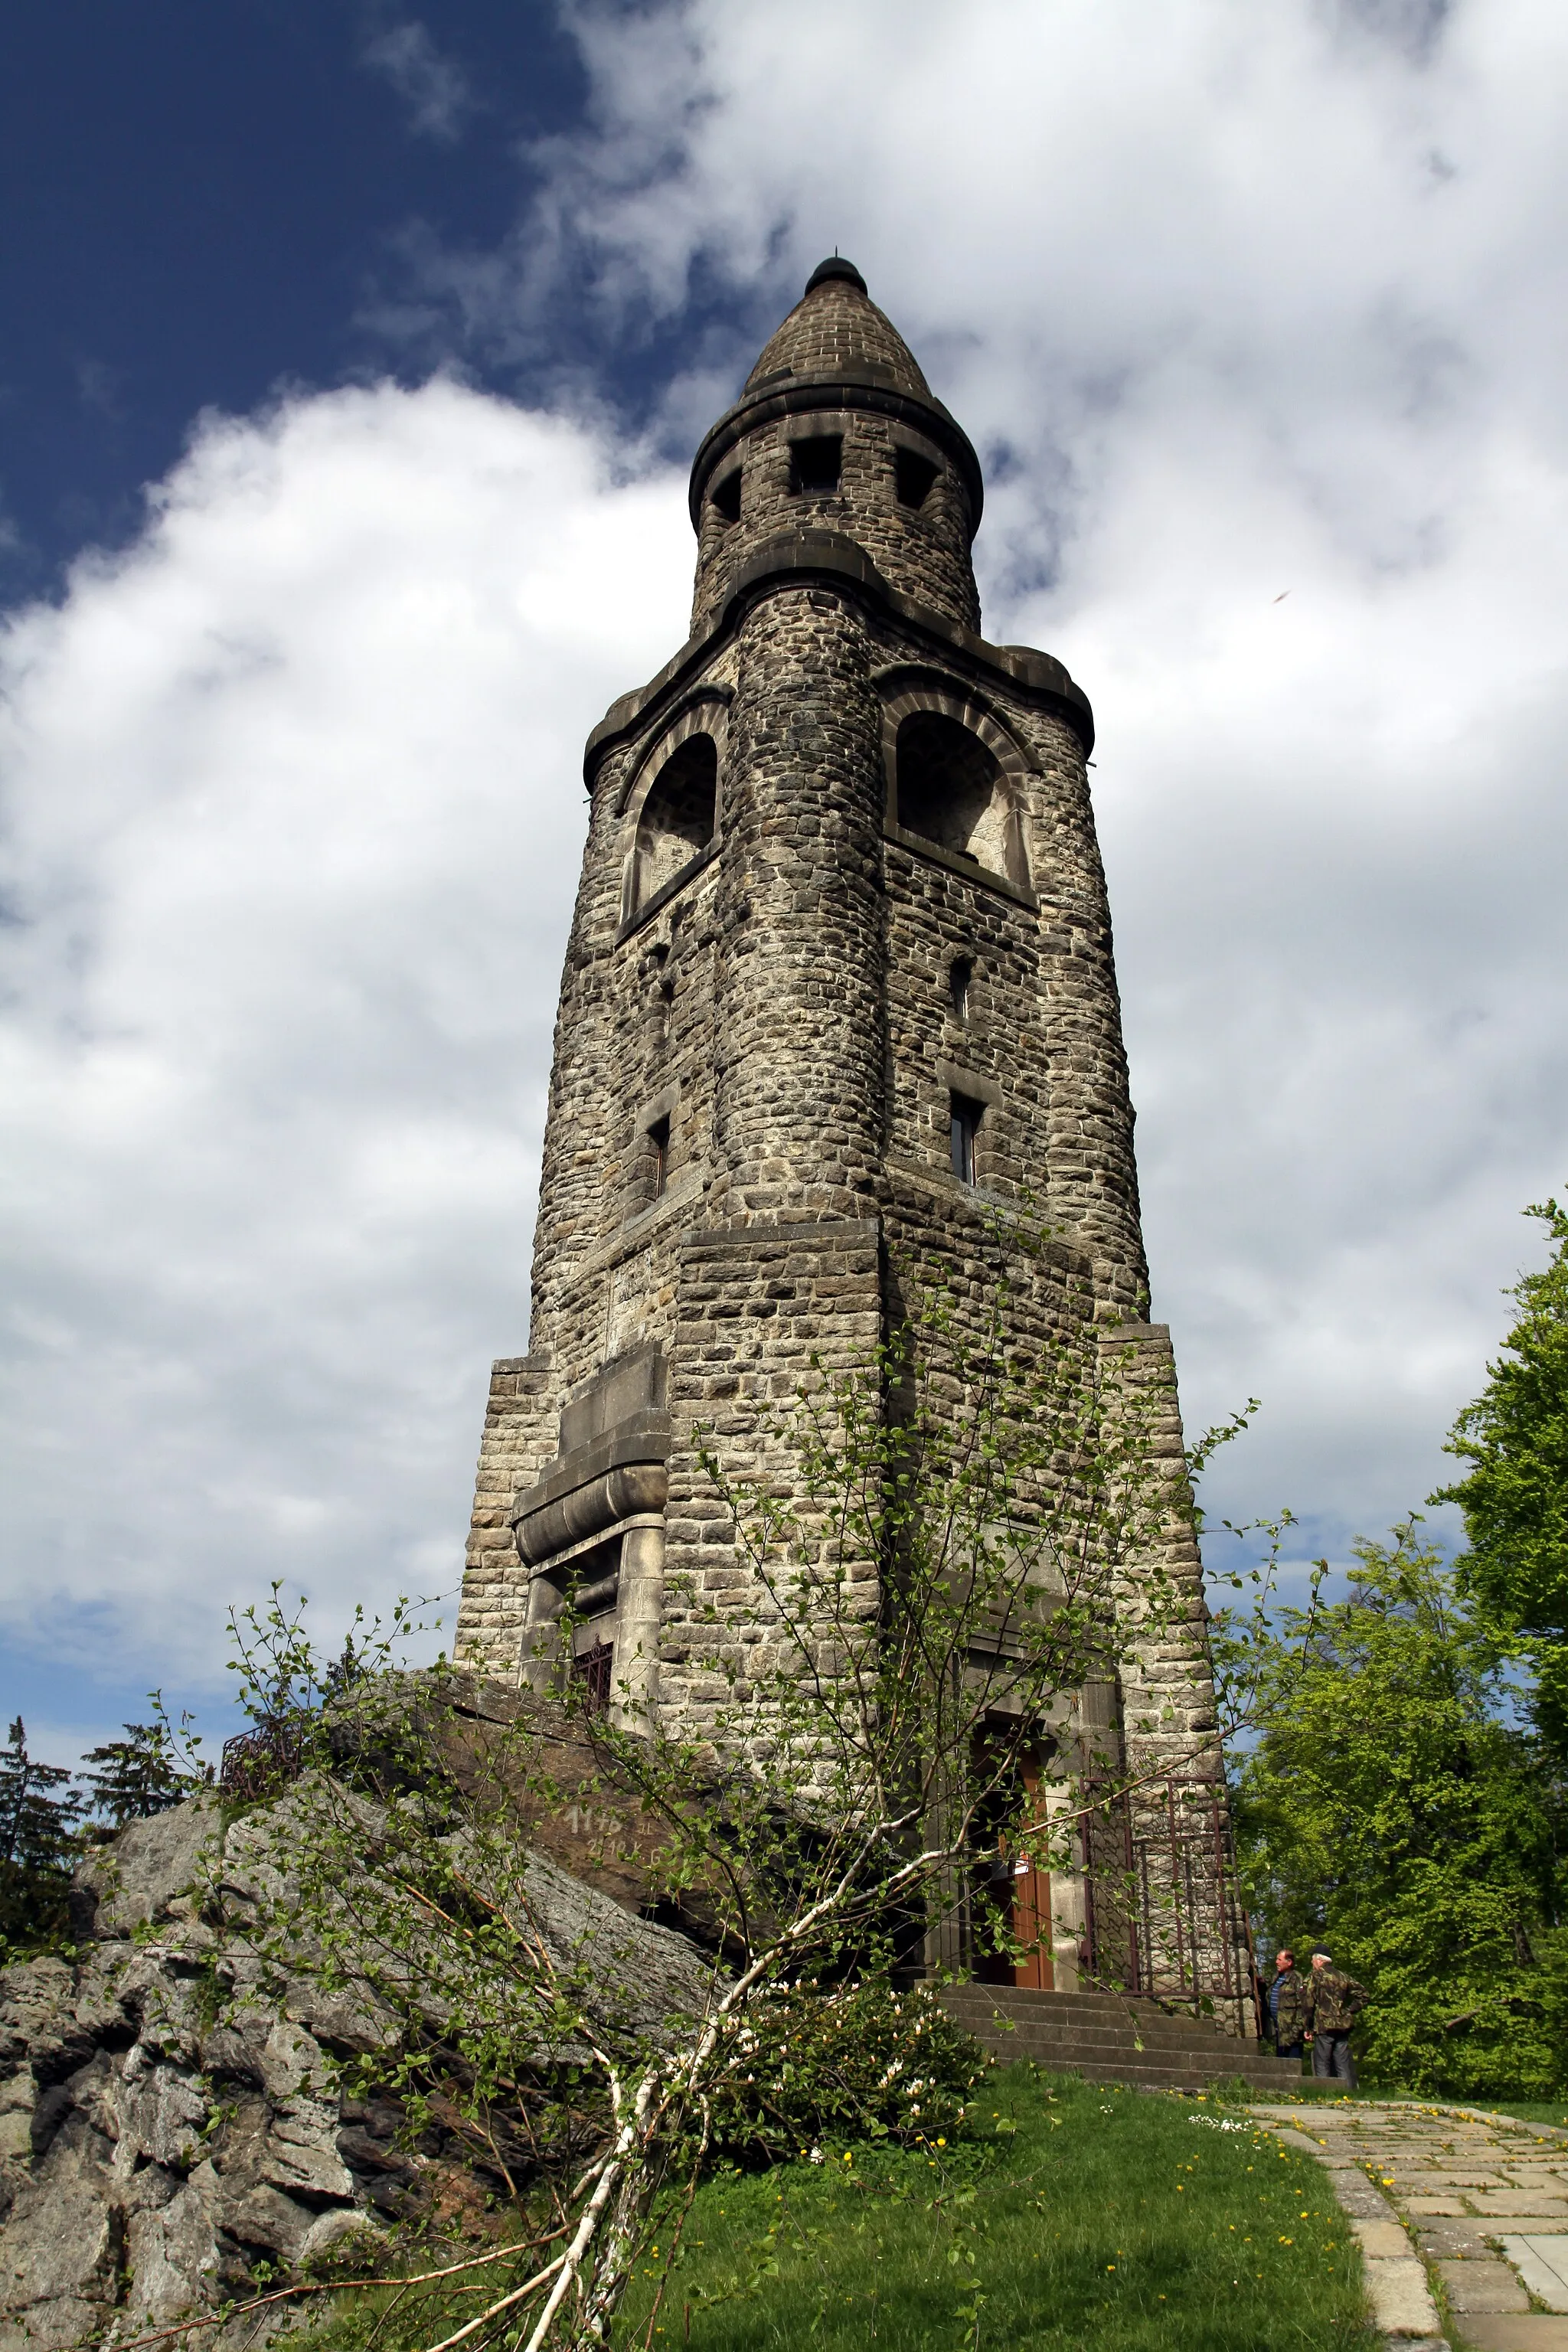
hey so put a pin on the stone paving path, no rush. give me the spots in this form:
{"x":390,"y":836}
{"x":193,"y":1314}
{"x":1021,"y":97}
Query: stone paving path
{"x":1482,"y":2201}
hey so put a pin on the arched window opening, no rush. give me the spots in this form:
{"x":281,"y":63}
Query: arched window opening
{"x":952,"y":791}
{"x":677,"y":816}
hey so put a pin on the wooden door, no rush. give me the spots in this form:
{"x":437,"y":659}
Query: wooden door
{"x":1032,"y":1895}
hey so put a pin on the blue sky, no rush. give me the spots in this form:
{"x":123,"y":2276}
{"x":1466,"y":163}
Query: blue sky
{"x":352,"y":360}
{"x":201,"y":203}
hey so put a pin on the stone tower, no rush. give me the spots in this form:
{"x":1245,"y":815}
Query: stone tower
{"x":839,"y":980}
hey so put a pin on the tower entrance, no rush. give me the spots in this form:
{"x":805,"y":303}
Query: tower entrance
{"x":1012,"y":1929}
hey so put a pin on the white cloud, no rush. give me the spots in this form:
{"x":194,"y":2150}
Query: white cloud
{"x":434,"y":87}
{"x":293,"y":814}
{"x":1236,"y":302}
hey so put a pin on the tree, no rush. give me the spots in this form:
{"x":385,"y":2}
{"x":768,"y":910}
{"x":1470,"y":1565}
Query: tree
{"x":38,"y":1848}
{"x":967,"y":1534}
{"x":1515,"y":1494}
{"x":1390,"y":1810}
{"x":150,"y":1769}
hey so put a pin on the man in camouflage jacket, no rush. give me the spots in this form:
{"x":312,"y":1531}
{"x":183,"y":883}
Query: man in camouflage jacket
{"x":1334,"y":2003}
{"x":1289,"y":2001}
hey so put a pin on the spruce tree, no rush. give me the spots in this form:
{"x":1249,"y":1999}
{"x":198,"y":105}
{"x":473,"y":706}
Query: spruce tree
{"x":140,"y":1775}
{"x":38,"y":1846}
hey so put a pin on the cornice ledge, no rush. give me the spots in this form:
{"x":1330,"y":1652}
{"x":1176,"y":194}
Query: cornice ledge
{"x":830,"y":554}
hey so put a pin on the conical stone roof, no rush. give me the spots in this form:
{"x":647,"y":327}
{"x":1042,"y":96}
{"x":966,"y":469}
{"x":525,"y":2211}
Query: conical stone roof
{"x":835,"y":327}
{"x":837,"y":349}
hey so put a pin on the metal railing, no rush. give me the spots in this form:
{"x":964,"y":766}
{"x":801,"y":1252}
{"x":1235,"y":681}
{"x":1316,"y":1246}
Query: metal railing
{"x":1163,"y":1916}
{"x":258,"y":1764}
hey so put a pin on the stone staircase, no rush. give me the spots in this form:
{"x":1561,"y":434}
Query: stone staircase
{"x":1106,"y":2039}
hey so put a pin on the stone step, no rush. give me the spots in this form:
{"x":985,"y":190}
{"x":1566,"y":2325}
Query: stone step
{"x":1158,"y":2078}
{"x":1165,"y":2031}
{"x":1140,"y":2066}
{"x":1206,"y":2065}
{"x":1151,"y":2027}
{"x":1077,"y":2004}
{"x":1105,"y":2039}
{"x":1091,"y":2037}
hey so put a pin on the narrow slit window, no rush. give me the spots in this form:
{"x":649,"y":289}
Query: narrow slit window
{"x":814,"y":464}
{"x":961,"y":971}
{"x":727,"y":497}
{"x":658,"y":1155}
{"x":912,"y":476}
{"x":593,"y":1668}
{"x":965,"y":1116}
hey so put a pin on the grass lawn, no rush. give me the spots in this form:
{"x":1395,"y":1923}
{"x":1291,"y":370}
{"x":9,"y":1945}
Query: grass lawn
{"x":1084,"y":2215}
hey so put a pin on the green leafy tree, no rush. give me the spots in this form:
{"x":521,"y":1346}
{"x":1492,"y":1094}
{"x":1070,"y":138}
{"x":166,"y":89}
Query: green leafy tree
{"x":38,"y":1846}
{"x":1515,"y":1494}
{"x":1389,"y":1808}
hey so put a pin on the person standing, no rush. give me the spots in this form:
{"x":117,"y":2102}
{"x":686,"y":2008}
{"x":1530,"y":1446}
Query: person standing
{"x":1334,"y":2002}
{"x":1289,"y":1998}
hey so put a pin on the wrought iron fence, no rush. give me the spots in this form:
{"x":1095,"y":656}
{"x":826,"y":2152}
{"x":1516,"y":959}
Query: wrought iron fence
{"x":1162,"y":1915}
{"x":257,"y":1764}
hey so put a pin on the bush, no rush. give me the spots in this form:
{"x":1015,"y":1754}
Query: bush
{"x":850,"y":2062}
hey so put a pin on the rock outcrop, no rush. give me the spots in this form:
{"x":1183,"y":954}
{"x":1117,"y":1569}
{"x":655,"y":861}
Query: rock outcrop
{"x":169,"y":2119}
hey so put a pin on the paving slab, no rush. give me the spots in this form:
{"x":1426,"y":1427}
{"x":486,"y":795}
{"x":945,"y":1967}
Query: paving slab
{"x":1482,"y":2286}
{"x":1519,"y":2201}
{"x":1384,"y":2240}
{"x":1514,"y":2331}
{"x":1451,"y":2242}
{"x":1542,"y":2262}
{"x":1401,"y":2299}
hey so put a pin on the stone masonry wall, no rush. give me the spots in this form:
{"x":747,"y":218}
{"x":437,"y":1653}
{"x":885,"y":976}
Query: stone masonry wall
{"x":799,"y":991}
{"x":766,"y":1313}
{"x":519,"y":1435}
{"x":922,"y":551}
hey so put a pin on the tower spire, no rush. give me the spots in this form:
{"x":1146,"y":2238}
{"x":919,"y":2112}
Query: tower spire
{"x":836,"y":429}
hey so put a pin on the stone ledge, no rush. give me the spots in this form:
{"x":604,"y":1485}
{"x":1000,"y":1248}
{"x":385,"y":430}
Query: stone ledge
{"x":968,"y":869}
{"x":718,"y":1240}
{"x":1022,"y":668}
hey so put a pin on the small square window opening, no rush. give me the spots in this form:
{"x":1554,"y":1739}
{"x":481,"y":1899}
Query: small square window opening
{"x":966,"y":1118}
{"x":814,"y":464}
{"x":726,"y":496}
